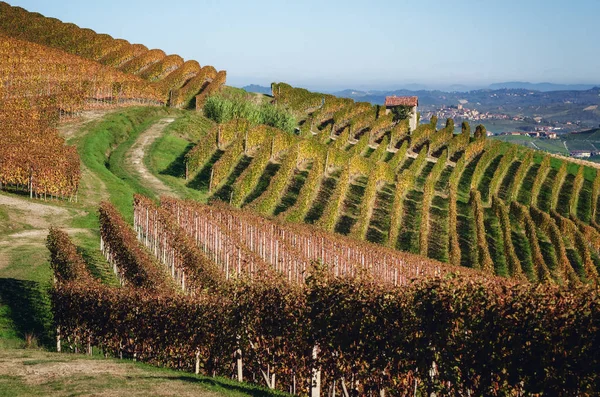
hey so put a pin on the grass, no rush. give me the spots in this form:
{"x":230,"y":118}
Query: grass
{"x":547,"y":145}
{"x":53,"y":374}
{"x":465,"y":225}
{"x":24,"y":303}
{"x":584,"y":202}
{"x":495,"y":242}
{"x":103,"y":147}
{"x":166,"y":156}
{"x":524,"y":195}
{"x":486,"y":179}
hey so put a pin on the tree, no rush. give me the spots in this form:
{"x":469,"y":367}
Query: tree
{"x":466,"y":128}
{"x":450,"y":124}
{"x":480,"y":132}
{"x":401,"y":113}
{"x":433,"y":121}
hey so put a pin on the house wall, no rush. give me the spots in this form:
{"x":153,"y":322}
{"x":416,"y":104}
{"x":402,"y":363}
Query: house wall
{"x":413,"y":119}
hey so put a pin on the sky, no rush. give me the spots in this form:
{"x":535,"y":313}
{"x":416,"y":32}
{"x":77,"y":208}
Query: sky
{"x":338,"y":44}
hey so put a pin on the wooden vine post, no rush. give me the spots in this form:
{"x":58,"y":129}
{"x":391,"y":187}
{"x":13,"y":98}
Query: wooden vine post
{"x":315,"y":384}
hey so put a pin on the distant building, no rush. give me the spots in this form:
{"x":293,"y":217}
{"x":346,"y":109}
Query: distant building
{"x":580,"y":153}
{"x":407,"y":101}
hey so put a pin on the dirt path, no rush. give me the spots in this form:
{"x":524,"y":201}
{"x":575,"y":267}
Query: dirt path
{"x":36,"y":214}
{"x":28,"y":222}
{"x":135,"y":156}
{"x":73,"y":129}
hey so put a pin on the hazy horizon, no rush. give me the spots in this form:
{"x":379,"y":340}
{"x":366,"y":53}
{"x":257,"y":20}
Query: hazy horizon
{"x":335,"y":45}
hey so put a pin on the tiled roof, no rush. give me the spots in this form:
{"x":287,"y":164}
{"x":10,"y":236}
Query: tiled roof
{"x":401,"y":101}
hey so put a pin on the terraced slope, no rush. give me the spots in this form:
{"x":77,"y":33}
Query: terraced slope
{"x":353,"y":170}
{"x":180,"y":83}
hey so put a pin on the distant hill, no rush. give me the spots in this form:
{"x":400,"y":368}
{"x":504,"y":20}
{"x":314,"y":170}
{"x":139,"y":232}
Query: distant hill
{"x":258,"y":88}
{"x":590,"y":135}
{"x":543,"y":87}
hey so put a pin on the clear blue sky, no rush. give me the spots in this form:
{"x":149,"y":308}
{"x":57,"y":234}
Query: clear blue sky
{"x":331,"y":44}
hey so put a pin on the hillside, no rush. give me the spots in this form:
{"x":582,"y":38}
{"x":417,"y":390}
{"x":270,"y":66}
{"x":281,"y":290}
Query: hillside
{"x":180,"y":84}
{"x":352,"y":170}
{"x":300,"y":241}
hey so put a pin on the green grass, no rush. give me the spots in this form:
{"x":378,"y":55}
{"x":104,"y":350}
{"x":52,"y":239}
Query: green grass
{"x":103,"y":147}
{"x":24,"y":303}
{"x":548,"y":145}
{"x":166,"y":156}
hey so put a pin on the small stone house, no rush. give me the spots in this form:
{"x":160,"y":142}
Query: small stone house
{"x":406,"y":101}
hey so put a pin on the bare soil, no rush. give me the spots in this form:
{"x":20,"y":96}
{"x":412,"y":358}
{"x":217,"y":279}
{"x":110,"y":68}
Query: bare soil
{"x":73,"y":129}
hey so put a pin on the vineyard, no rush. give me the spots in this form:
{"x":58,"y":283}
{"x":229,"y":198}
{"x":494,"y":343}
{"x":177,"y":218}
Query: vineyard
{"x":343,"y":253}
{"x":50,"y":71}
{"x":171,"y":80}
{"x":455,"y":198}
{"x":233,"y":306}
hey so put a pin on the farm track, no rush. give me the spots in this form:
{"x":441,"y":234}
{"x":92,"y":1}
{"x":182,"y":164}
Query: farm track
{"x":135,"y":157}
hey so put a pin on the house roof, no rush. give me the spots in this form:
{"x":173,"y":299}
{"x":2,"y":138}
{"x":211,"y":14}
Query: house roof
{"x":401,"y":101}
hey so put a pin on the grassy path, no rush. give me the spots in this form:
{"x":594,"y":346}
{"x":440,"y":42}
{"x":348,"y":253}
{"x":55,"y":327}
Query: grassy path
{"x":135,"y":157}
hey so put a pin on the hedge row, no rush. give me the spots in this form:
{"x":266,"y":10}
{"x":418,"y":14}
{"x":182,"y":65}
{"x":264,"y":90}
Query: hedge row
{"x":575,"y":192}
{"x":272,"y":196}
{"x":557,"y":186}
{"x":484,"y":259}
{"x":161,"y":69}
{"x":227,"y":163}
{"x":512,"y":260}
{"x":182,"y":97}
{"x":132,"y":263}
{"x":540,"y":177}
{"x":517,"y":181}
{"x":332,"y":207}
{"x":247,"y":181}
{"x":541,"y":272}
{"x":309,"y":191}
{"x":381,"y":173}
{"x":507,"y":159}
